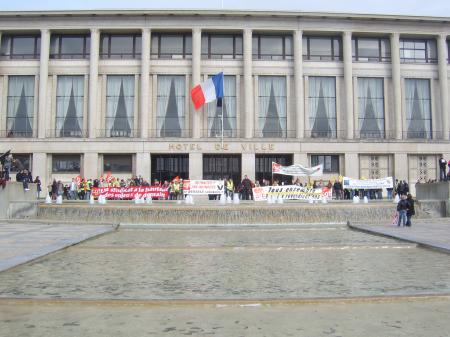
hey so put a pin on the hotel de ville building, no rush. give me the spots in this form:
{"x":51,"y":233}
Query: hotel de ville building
{"x":88,"y":92}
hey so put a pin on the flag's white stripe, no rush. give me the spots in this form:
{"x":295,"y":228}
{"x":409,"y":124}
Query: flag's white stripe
{"x":209,"y":90}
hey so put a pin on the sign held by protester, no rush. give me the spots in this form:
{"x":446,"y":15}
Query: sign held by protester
{"x":291,"y":192}
{"x":369,"y":184}
{"x":199,"y":187}
{"x":298,"y":170}
{"x":132,"y":192}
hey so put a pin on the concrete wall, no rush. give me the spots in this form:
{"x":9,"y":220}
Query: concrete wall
{"x":434,"y":191}
{"x":14,"y":192}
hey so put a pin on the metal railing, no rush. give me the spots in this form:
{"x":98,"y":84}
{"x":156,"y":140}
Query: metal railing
{"x":169,"y":133}
{"x":64,"y":133}
{"x":16,"y":134}
{"x":275,"y":134}
{"x":108,"y":133}
{"x":227,"y":133}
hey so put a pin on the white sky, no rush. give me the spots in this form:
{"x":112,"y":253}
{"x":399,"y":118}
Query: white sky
{"x":407,"y":7}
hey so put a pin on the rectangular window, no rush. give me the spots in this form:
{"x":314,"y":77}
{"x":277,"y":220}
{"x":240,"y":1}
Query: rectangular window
{"x":322,"y":107}
{"x":170,"y":106}
{"x":321,"y":48}
{"x":418,"y":108}
{"x":330,"y":162}
{"x":221,"y":46}
{"x":371,"y":49}
{"x":69,"y":106}
{"x":21,"y":161}
{"x":120,"y":46}
{"x":119,"y":106}
{"x":371,"y":107}
{"x":222,"y":166}
{"x":263,"y":167}
{"x":225,"y":106}
{"x":171,"y":46}
{"x":20,"y":47}
{"x":70,"y":46}
{"x":66,"y":163}
{"x":117,"y":163}
{"x":418,"y":51}
{"x":20,"y":106}
{"x":169,"y":166}
{"x":272,"y":47}
{"x":272,"y":119}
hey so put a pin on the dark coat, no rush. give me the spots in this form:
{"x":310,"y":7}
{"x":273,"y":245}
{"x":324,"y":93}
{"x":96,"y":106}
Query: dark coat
{"x":411,"y":210}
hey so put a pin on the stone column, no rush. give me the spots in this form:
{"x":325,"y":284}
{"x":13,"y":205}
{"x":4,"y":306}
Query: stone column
{"x":145,"y":84}
{"x":351,"y":165}
{"x":301,"y":158}
{"x":401,"y":166}
{"x":93,"y":112}
{"x":443,"y":82}
{"x":43,"y":114}
{"x":90,"y":165}
{"x":143,"y":165}
{"x":196,"y":79}
{"x":39,"y":168}
{"x":348,"y":80}
{"x":395,"y":55}
{"x":298,"y":78}
{"x":248,"y":84}
{"x":248,"y":165}
{"x":195,"y":166}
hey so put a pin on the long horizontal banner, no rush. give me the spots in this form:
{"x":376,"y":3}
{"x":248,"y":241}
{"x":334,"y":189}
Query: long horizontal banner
{"x":291,"y":192}
{"x":298,"y":170}
{"x":369,"y":184}
{"x":132,"y":192}
{"x":199,"y":187}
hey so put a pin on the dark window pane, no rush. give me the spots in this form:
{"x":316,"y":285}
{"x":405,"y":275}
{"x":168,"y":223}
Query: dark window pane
{"x":23,"y":46}
{"x":330,"y":163}
{"x":121,"y":45}
{"x":117,"y":163}
{"x":288,"y":45}
{"x":255,"y":51}
{"x":271,"y":45}
{"x":221,"y":45}
{"x":205,"y":46}
{"x":66,"y":163}
{"x":171,"y":45}
{"x":238,"y":43}
{"x":368,"y":48}
{"x":21,"y":161}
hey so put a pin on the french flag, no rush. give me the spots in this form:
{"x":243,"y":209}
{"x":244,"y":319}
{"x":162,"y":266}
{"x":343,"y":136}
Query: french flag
{"x":207,"y":91}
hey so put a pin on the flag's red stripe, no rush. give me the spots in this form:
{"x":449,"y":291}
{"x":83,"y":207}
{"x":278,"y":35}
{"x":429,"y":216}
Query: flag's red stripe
{"x":197,"y":97}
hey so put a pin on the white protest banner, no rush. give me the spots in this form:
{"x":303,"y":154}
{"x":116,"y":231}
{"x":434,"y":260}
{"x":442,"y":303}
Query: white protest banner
{"x":291,"y":192}
{"x":369,"y":184}
{"x":298,"y":170}
{"x":199,"y":187}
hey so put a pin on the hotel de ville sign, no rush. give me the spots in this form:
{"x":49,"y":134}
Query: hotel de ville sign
{"x":234,"y":147}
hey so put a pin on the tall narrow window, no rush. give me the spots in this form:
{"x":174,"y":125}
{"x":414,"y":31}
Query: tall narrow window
{"x":69,"y":106}
{"x":272,"y":106}
{"x":119,"y":106}
{"x":322,"y":106}
{"x":170,"y":110}
{"x":19,"y":120}
{"x":225,"y":107}
{"x":418,"y":108}
{"x":371,"y":107}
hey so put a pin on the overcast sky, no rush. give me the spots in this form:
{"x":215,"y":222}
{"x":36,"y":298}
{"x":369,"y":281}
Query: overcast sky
{"x":409,"y":7}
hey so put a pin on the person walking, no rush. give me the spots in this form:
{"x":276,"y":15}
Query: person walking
{"x":402,"y":208}
{"x":411,"y":211}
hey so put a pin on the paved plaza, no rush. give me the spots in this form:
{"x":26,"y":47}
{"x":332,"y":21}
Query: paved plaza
{"x":272,"y":280}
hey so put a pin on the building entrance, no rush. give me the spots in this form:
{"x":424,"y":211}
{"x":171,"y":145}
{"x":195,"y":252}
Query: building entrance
{"x":169,"y":166}
{"x":217,"y":167}
{"x":263,"y":167}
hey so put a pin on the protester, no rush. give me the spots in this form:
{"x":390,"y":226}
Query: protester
{"x":411,"y":211}
{"x":38,"y":183}
{"x":246,"y":188}
{"x":402,"y":208}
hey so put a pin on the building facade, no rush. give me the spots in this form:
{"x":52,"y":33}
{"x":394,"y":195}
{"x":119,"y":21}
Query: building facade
{"x":89,"y":92}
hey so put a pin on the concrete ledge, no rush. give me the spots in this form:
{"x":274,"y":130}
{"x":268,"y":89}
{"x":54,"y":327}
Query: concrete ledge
{"x":433,"y":236}
{"x":246,"y":213}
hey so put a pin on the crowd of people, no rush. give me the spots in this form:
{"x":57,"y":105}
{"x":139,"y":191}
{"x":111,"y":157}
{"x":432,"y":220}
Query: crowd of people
{"x":8,"y":164}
